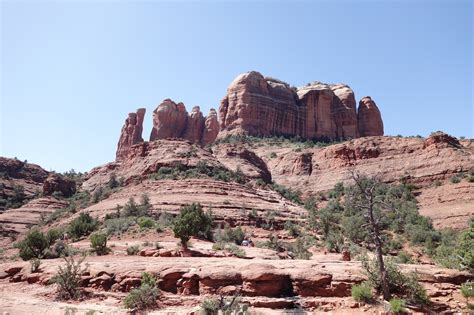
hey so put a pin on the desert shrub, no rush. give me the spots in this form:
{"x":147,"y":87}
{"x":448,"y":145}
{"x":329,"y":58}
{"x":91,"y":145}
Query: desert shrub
{"x":273,"y":155}
{"x":144,"y":296}
{"x":133,"y":249}
{"x":113,"y":182}
{"x":57,"y":214}
{"x":35,"y":264}
{"x":362,"y":292}
{"x":33,"y":246}
{"x":68,"y":278}
{"x":146,"y":222}
{"x":82,"y":226}
{"x":404,"y":258}
{"x":334,"y":241}
{"x":397,"y":306}
{"x":456,"y":179}
{"x":229,"y":235}
{"x":131,"y":208}
{"x":223,"y":305}
{"x":292,"y":229}
{"x":18,"y":198}
{"x":464,"y":249}
{"x":400,"y":284}
{"x":288,"y":193}
{"x":192,"y":221}
{"x":272,"y":243}
{"x":235,"y":250}
{"x":300,"y":249}
{"x":467,"y":290}
{"x":99,"y":243}
{"x":118,"y":226}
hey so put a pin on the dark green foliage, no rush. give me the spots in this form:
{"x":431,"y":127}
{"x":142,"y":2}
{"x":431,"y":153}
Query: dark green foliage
{"x":33,"y":246}
{"x":292,"y":228}
{"x":400,"y":284}
{"x":118,"y":226}
{"x":300,"y":249}
{"x":192,"y":221}
{"x":113,"y":182}
{"x":272,"y":243}
{"x":288,"y":193}
{"x":82,"y":226}
{"x":143,"y":297}
{"x":229,"y":235}
{"x":275,"y":140}
{"x":224,"y":305}
{"x":132,"y":209}
{"x":68,"y":278}
{"x":455,"y":249}
{"x":362,"y":292}
{"x":146,"y":222}
{"x":17,"y":199}
{"x":99,"y":243}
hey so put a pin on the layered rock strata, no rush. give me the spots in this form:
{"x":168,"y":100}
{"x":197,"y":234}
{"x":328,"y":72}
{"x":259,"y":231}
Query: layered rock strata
{"x":261,"y":106}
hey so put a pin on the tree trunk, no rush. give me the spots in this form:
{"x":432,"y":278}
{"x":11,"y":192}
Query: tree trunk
{"x":378,"y":248}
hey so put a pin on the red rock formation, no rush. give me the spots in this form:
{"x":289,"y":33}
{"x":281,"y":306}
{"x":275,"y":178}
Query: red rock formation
{"x":369,"y":119}
{"x":344,"y":112}
{"x":194,"y":126}
{"x":58,"y":183}
{"x":171,"y":120}
{"x":211,"y":128}
{"x":261,"y":106}
{"x":131,"y":133}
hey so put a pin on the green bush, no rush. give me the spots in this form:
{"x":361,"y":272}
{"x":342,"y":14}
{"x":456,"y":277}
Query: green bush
{"x":68,"y":278}
{"x":146,"y":222}
{"x":362,"y":293}
{"x":229,"y":235}
{"x":235,"y":250}
{"x":133,"y":249}
{"x":192,"y":221}
{"x":143,"y":297}
{"x":456,"y":179}
{"x":99,"y":243}
{"x":397,"y":306}
{"x":223,"y":305}
{"x":292,"y":229}
{"x":34,"y":245}
{"x":82,"y":226}
{"x":118,"y":226}
{"x":404,"y":285}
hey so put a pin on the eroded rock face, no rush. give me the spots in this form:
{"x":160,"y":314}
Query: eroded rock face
{"x":369,"y":119}
{"x":56,"y":182}
{"x":261,"y":106}
{"x":131,"y":133}
{"x":171,"y":120}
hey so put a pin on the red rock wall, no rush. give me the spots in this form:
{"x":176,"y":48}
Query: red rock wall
{"x":259,"y":106}
{"x":131,"y":133}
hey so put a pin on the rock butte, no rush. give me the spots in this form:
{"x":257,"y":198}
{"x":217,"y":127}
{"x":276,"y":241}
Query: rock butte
{"x":262,"y":106}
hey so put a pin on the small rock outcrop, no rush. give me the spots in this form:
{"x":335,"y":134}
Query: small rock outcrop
{"x":171,"y":120}
{"x":58,"y":183}
{"x":131,"y":133}
{"x":369,"y":118}
{"x":262,"y":106}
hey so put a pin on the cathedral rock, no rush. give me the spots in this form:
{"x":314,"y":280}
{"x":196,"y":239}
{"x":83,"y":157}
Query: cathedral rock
{"x":261,"y":106}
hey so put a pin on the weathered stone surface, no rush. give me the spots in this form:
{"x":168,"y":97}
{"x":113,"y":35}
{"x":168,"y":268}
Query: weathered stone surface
{"x":309,"y":284}
{"x":56,"y":182}
{"x":169,"y":120}
{"x":211,"y":128}
{"x":441,"y":140}
{"x":262,"y":106}
{"x":369,"y":118}
{"x":194,"y":126}
{"x":344,"y":112}
{"x":131,"y":133}
{"x":265,"y":280}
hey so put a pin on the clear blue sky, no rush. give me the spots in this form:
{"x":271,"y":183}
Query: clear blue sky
{"x":71,"y":71}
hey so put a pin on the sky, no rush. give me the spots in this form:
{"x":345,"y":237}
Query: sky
{"x":71,"y":71}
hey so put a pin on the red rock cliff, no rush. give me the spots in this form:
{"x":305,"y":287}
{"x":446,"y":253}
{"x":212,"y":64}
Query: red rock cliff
{"x":131,"y":133}
{"x":260,"y":106}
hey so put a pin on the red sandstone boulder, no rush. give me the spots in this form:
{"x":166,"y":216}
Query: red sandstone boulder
{"x":56,"y":182}
{"x":265,"y":280}
{"x":440,"y":139}
{"x":369,"y":118}
{"x":169,"y":120}
{"x":131,"y":133}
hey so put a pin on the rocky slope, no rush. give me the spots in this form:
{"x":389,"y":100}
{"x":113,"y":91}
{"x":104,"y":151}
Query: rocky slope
{"x":261,"y":106}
